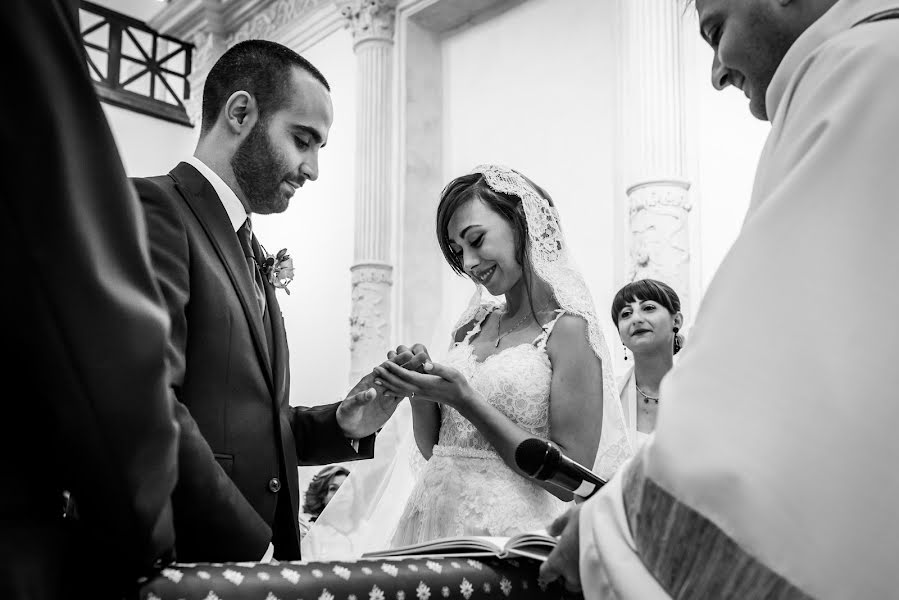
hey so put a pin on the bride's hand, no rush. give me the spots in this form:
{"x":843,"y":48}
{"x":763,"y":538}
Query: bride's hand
{"x":438,"y":383}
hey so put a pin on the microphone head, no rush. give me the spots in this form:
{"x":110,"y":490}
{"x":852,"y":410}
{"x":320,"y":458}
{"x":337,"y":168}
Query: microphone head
{"x":537,"y":458}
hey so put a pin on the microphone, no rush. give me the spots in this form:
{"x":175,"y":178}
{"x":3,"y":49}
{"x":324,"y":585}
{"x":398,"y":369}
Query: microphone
{"x":544,"y":460}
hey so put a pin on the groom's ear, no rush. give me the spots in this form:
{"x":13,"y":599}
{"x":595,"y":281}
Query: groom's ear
{"x":240,"y":113}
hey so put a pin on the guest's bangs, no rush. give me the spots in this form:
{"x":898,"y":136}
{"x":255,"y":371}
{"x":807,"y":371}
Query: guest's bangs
{"x":644,"y":290}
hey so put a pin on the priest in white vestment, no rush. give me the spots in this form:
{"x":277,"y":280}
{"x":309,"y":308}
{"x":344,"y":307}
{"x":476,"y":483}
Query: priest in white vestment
{"x":774,"y":470}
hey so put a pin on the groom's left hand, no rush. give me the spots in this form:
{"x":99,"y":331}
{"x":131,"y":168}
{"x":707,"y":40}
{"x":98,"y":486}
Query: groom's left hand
{"x":366,"y":408}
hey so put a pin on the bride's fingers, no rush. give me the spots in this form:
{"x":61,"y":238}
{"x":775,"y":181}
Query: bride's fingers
{"x":391,"y":382}
{"x":442,"y":371}
{"x":412,"y":378}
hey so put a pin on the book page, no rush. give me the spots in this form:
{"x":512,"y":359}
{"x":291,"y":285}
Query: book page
{"x":463,"y":545}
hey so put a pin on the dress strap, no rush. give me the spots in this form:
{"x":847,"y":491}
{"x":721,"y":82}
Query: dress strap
{"x":540,"y":340}
{"x":479,"y":319}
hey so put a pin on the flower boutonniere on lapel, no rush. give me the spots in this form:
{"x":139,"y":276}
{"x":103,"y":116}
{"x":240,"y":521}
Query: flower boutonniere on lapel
{"x":278,"y":268}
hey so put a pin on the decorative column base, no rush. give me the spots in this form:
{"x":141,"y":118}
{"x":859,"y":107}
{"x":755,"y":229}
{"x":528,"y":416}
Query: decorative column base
{"x":660,"y":234}
{"x":369,"y":316}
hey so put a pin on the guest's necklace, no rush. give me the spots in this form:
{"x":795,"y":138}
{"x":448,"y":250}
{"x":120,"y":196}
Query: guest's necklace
{"x":516,"y":325}
{"x":646,"y":397}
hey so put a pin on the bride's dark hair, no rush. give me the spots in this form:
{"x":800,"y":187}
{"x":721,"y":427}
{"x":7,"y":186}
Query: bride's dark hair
{"x":462,"y":189}
{"x":474,"y":185}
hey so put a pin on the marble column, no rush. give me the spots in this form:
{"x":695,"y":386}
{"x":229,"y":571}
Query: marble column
{"x":372,"y":24}
{"x":652,"y":103}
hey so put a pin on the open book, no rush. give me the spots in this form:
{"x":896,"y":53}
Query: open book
{"x":535,"y":544}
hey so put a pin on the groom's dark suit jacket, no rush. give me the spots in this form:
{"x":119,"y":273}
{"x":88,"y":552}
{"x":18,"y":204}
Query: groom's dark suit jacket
{"x":241,"y":441}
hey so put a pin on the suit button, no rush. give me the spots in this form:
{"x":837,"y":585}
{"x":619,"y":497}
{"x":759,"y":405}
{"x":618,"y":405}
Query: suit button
{"x":274,"y":484}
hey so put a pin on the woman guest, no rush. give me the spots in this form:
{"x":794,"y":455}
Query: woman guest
{"x":321,"y":489}
{"x":647,"y":314}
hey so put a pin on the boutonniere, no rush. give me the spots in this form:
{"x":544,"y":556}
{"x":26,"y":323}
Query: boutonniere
{"x":278,"y":268}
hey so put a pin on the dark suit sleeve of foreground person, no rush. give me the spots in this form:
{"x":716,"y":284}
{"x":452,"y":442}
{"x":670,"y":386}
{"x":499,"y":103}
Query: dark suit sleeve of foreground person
{"x":87,"y":409}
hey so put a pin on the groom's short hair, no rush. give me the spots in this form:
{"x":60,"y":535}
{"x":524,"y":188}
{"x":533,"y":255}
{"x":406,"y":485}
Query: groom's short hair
{"x":259,"y":67}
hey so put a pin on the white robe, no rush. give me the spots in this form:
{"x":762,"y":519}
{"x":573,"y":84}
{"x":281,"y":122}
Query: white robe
{"x":778,"y":424}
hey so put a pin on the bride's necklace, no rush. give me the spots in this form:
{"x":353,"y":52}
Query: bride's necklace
{"x":516,"y":325}
{"x":646,"y":397}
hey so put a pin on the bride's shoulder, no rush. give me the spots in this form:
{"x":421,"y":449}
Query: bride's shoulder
{"x":567,"y":333}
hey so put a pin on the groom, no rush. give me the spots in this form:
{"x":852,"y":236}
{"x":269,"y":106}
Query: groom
{"x":266,"y":115}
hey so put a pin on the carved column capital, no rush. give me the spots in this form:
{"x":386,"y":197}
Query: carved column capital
{"x":660,"y":195}
{"x":370,"y":317}
{"x":369,"y":20}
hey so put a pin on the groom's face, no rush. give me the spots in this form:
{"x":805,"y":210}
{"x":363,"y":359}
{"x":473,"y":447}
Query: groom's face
{"x":281,"y":152}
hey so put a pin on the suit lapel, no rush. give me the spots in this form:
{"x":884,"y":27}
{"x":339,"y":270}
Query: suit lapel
{"x":279,"y":343}
{"x":206,"y":206}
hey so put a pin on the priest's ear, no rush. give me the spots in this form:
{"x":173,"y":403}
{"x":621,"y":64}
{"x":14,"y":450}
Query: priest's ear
{"x":240,"y":112}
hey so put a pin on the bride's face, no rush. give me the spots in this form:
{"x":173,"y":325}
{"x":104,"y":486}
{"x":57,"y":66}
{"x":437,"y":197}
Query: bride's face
{"x":485,"y":244}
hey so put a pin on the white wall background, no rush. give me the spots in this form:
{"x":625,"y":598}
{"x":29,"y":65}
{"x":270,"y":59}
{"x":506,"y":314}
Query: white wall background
{"x":149,"y":146}
{"x":532,"y":89}
{"x":729,"y":142}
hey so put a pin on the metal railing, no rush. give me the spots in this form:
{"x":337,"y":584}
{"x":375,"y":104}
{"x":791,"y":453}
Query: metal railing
{"x":135,"y":67}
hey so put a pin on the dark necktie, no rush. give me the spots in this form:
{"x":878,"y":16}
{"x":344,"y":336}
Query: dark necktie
{"x":245,"y":235}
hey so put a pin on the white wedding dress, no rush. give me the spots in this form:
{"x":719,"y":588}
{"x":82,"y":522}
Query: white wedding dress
{"x":466,"y":488}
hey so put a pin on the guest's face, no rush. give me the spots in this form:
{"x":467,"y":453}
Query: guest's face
{"x":281,"y":151}
{"x":749,"y":38}
{"x":646,"y":326}
{"x":485,"y":243}
{"x":335,"y":484}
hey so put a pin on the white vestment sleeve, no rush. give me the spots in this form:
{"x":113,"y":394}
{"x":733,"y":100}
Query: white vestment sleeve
{"x":610,"y":567}
{"x":772,"y":472}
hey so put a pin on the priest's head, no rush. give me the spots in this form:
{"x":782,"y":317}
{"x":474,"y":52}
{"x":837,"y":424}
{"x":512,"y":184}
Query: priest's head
{"x":750,"y":39}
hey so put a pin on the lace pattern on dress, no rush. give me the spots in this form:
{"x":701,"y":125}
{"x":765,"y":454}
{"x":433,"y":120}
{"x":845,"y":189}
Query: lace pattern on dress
{"x":458,"y":490}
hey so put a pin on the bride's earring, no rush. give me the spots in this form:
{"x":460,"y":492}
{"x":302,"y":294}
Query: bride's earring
{"x":623,"y":347}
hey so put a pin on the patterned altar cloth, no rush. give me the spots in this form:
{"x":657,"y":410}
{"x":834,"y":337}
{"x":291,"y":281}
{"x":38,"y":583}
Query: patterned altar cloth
{"x":414,"y":578}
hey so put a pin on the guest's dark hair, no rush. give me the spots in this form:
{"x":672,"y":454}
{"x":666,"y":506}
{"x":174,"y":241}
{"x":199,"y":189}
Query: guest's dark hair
{"x":645,"y":289}
{"x":648,"y":289}
{"x":314,"y":500}
{"x":259,"y":67}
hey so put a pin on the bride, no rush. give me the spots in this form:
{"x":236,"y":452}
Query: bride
{"x":534,"y":365}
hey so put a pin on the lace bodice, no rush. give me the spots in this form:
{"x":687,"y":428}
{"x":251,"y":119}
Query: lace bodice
{"x":516,"y":381}
{"x":466,"y":488}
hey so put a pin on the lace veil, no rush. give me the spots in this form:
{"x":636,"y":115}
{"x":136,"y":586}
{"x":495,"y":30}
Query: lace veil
{"x":378,"y":491}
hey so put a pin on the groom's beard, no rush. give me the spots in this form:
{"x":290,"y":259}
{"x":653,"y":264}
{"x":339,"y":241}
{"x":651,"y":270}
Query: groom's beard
{"x":260,"y":171}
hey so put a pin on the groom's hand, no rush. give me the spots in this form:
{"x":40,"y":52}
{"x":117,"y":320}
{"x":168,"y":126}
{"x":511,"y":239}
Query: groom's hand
{"x":410,"y":358}
{"x":366,"y":408}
